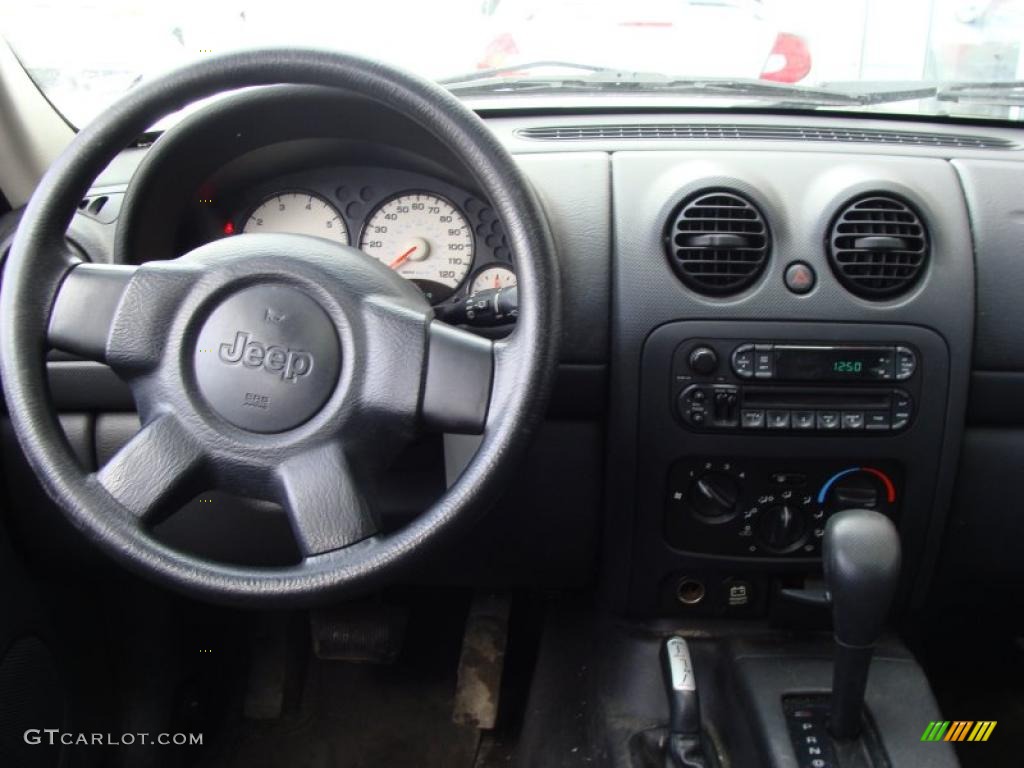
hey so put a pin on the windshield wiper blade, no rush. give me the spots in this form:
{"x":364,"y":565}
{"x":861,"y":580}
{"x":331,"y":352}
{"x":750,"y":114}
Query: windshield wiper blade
{"x":823,"y":95}
{"x":605,"y":80}
{"x":509,"y":80}
{"x":1004,"y":94}
{"x":513,"y":69}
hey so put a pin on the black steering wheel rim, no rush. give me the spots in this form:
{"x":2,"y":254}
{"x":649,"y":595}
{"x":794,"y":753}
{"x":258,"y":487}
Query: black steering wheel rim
{"x":38,"y":261}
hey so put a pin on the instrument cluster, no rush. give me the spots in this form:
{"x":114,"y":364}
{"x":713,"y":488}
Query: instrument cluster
{"x":448,"y":241}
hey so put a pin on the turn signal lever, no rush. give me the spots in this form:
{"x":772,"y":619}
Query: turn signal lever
{"x":684,"y":747}
{"x":861,"y":552}
{"x":495,"y":306}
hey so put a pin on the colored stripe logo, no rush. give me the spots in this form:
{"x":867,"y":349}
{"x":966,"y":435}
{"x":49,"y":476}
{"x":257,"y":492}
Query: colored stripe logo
{"x":958,"y":730}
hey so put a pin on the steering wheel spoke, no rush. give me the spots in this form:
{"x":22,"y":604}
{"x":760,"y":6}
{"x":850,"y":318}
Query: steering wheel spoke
{"x":322,"y":497}
{"x":85,"y":307}
{"x":459,"y":379}
{"x":160,"y":467}
{"x":119,"y":314}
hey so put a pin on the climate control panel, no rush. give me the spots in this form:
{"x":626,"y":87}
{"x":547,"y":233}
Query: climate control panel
{"x":769,"y":507}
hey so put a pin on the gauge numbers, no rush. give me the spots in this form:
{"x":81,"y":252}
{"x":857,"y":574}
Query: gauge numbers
{"x":298,"y":213}
{"x":424,"y":238}
{"x":491,"y":278}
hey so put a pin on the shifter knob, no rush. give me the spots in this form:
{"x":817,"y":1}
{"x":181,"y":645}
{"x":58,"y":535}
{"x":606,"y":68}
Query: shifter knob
{"x":861,"y":551}
{"x":861,"y":554}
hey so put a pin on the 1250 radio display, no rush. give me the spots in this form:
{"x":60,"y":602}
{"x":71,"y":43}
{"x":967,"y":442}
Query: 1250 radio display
{"x":813,"y":363}
{"x":848,"y":366}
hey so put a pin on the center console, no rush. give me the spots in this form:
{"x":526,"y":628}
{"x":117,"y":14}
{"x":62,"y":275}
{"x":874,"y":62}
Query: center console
{"x":752,"y":413}
{"x":763,"y":450}
{"x":752,"y":436}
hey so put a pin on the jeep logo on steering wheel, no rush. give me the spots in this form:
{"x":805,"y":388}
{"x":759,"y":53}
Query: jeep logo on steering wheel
{"x":290,"y":364}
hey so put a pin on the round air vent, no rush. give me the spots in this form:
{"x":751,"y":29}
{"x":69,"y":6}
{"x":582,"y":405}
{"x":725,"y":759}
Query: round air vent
{"x":718,"y":242}
{"x":878,"y":247}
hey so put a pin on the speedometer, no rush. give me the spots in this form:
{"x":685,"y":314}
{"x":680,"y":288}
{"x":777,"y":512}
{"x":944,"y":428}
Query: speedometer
{"x":424,"y":238}
{"x":298,"y":213}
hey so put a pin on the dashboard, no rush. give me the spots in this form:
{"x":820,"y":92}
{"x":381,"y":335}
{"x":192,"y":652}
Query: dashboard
{"x":759,"y":327}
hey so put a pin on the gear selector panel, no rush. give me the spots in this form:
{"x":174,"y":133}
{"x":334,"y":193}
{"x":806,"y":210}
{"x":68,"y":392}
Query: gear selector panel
{"x":771,"y":507}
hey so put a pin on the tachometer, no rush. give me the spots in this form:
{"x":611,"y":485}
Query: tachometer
{"x":424,"y":238}
{"x":298,"y":213}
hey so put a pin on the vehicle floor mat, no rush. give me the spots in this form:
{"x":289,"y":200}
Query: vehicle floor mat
{"x":357,"y":715}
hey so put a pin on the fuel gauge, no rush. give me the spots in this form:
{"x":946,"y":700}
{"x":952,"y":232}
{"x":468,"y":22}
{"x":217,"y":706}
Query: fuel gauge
{"x":491,"y":278}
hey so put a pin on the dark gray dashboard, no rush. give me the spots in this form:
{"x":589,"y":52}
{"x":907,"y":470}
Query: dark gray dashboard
{"x":609,"y":196}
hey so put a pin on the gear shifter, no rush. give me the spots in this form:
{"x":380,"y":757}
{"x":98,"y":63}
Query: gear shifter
{"x":684,"y":729}
{"x":861,"y":552}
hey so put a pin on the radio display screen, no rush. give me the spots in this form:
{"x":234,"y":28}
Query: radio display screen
{"x":799,"y":363}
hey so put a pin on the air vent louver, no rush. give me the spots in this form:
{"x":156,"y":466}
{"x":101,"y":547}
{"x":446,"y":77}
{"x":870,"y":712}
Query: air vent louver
{"x":878,"y":247}
{"x":718,"y":243}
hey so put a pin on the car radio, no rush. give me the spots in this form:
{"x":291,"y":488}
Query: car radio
{"x":807,"y":388}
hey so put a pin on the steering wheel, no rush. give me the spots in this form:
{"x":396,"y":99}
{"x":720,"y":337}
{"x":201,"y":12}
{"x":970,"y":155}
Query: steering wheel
{"x":284,"y":367}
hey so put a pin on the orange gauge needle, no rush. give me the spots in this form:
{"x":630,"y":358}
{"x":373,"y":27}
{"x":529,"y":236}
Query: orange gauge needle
{"x":403,"y":258}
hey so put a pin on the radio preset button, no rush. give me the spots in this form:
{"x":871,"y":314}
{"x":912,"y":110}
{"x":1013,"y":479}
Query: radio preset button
{"x":828,"y":420}
{"x":752,"y":419}
{"x":743,"y":361}
{"x":777,"y":419}
{"x":877,"y":420}
{"x":853,"y":420}
{"x":803,"y":419}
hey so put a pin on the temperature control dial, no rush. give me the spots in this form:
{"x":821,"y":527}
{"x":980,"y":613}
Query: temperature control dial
{"x":782,"y":529}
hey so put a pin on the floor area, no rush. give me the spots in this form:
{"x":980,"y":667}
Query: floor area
{"x":577,"y":685}
{"x":360,"y":715}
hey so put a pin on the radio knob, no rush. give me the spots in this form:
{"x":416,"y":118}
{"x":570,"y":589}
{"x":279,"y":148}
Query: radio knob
{"x":782,"y":529}
{"x":703,"y":361}
{"x":714,"y":497}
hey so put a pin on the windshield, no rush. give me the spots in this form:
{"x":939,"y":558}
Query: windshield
{"x":926,"y":56}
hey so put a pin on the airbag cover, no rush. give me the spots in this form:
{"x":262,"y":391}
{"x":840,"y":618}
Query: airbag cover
{"x":267,"y":358}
